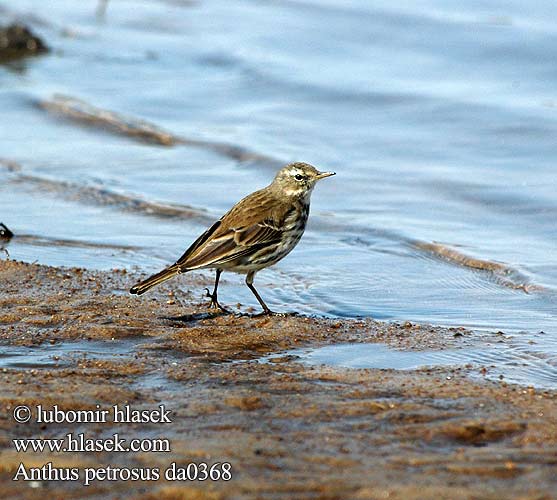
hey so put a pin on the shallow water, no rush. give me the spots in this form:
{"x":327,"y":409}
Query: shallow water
{"x":529,"y":363}
{"x":68,"y":354}
{"x":439,"y":118}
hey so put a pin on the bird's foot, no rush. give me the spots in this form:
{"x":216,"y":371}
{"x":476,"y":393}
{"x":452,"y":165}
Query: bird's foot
{"x":268,"y":312}
{"x":215,"y":303}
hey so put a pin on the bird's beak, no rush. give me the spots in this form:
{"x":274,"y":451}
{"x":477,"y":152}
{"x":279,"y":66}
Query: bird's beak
{"x":322,"y":175}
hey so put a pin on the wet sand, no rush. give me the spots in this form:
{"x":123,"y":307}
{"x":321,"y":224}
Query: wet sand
{"x":289,"y":430}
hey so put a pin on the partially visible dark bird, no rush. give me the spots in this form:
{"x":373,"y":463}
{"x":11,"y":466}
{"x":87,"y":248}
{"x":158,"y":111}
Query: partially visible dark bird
{"x":256,"y":233}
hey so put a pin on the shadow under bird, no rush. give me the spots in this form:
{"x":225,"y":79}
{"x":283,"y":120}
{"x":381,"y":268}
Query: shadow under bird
{"x":256,"y":233}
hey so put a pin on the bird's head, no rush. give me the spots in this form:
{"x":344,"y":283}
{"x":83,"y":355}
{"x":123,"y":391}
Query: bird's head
{"x":298,"y":179}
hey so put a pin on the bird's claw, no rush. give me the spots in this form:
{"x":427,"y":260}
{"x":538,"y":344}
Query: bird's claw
{"x":215,"y":303}
{"x":268,"y":312}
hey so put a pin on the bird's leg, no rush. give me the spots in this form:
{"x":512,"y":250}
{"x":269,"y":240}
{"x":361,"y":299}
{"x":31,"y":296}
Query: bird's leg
{"x":249,"y":282}
{"x":213,"y":296}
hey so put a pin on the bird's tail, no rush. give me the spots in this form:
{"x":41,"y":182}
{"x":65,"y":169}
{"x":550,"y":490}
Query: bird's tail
{"x":154,"y":280}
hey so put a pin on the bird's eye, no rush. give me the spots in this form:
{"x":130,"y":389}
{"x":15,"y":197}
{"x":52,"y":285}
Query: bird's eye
{"x":298,"y":177}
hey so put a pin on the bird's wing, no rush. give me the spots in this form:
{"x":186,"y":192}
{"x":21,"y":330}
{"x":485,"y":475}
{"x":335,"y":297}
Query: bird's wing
{"x":233,"y":244}
{"x":265,"y":231}
{"x":252,"y":224}
{"x":196,"y":244}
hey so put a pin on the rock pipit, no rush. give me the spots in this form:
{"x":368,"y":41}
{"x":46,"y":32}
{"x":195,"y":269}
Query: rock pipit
{"x":256,"y":233}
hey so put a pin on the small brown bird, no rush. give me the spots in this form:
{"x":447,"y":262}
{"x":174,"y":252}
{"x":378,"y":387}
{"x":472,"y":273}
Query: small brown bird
{"x":256,"y":233}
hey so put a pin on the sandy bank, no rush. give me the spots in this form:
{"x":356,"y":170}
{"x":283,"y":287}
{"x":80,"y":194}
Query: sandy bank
{"x":288,"y":429}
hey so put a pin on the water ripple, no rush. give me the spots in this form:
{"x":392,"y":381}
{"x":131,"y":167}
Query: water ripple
{"x":84,"y":113}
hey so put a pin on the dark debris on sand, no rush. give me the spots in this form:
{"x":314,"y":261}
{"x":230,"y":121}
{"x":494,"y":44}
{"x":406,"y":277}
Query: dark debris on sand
{"x":5,"y":233}
{"x":17,"y":40}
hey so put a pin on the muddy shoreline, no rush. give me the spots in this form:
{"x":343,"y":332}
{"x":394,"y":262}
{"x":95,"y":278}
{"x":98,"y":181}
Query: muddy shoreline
{"x":289,"y":430}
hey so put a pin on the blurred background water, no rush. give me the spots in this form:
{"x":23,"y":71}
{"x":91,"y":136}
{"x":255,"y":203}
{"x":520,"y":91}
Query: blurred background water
{"x":439,"y":117}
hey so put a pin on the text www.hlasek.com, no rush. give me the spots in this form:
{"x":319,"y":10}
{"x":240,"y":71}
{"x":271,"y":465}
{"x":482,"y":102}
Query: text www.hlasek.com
{"x":79,"y":444}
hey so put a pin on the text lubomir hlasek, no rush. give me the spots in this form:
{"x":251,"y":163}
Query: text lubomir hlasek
{"x":116,"y":414}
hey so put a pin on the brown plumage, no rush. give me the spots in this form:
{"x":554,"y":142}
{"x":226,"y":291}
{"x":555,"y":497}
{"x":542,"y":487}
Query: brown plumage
{"x":256,"y":233}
